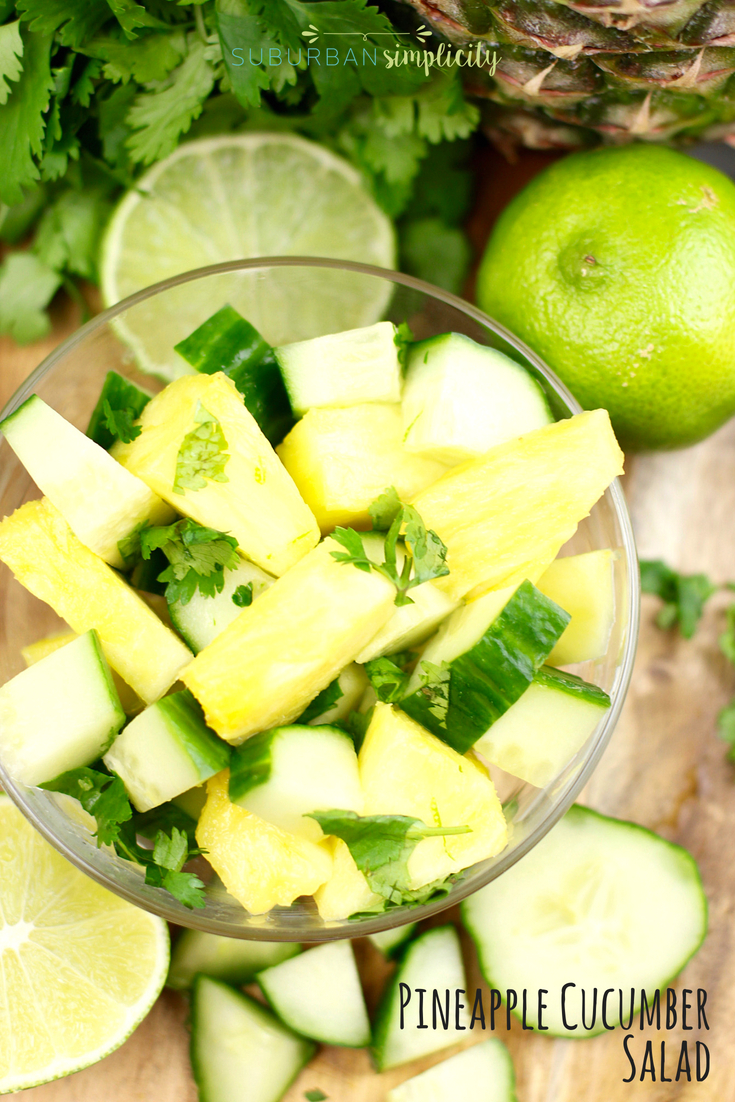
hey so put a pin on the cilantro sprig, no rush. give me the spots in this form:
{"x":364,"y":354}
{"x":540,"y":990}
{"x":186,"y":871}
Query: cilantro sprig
{"x":203,"y":454}
{"x":197,"y":556}
{"x":427,"y":559}
{"x":120,"y":422}
{"x":684,"y":595}
{"x":169,"y":828}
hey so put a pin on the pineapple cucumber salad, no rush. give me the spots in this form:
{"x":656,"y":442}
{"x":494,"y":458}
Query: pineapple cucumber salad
{"x":323,"y":579}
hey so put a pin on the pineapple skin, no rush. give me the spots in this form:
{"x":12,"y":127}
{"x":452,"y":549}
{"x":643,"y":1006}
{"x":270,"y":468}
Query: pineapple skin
{"x":261,"y":865}
{"x":48,"y":559}
{"x":259,"y":504}
{"x":265,"y":668}
{"x":505,"y":516}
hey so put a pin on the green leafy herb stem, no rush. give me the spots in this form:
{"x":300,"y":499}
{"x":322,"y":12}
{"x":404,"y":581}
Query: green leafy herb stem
{"x":197,"y":556}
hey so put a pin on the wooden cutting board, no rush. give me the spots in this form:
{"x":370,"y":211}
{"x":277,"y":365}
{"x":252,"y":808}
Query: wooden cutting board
{"x":665,"y":768}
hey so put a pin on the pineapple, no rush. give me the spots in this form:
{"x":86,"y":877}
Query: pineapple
{"x":265,"y":668}
{"x":48,"y":559}
{"x":505,"y":515}
{"x":34,"y":652}
{"x":572,"y":73}
{"x":405,"y":770}
{"x":260,"y":865}
{"x":342,"y":459}
{"x":584,"y":586}
{"x":248,"y":493}
{"x":347,"y":892}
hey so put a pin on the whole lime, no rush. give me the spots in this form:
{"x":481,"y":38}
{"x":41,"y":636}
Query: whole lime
{"x":617,"y":266}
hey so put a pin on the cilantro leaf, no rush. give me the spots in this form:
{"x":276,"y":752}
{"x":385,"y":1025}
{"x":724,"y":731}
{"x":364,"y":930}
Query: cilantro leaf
{"x":186,"y":887}
{"x":684,"y":595}
{"x":402,"y":339}
{"x":11,"y":53}
{"x":428,"y":552}
{"x":381,"y":846}
{"x":322,"y":702}
{"x":385,"y":508}
{"x":355,"y":553}
{"x":243,"y":595}
{"x":315,"y":1096}
{"x":100,"y":794}
{"x":27,"y":285}
{"x":203,"y":454}
{"x":72,"y":21}
{"x":198,"y":558}
{"x":22,"y":121}
{"x":149,"y":59}
{"x":387,"y":678}
{"x":435,"y":682}
{"x":171,"y":852}
{"x":120,"y":422}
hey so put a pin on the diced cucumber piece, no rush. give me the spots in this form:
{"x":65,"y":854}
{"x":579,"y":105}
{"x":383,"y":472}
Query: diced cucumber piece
{"x":227,"y":342}
{"x":342,"y":369}
{"x":543,"y":730}
{"x":34,"y":652}
{"x":345,"y":693}
{"x":481,"y":662}
{"x":389,"y":942}
{"x":59,"y":714}
{"x":585,"y":586}
{"x":203,"y":618}
{"x":192,"y":801}
{"x":319,"y":995}
{"x":231,"y":959}
{"x":122,"y":395}
{"x":462,"y":398}
{"x":101,"y":502}
{"x":432,"y":962}
{"x":410,"y":624}
{"x":598,"y":903}
{"x":283,"y":774}
{"x":166,"y":750}
{"x":483,"y":1073}
{"x":240,"y":1052}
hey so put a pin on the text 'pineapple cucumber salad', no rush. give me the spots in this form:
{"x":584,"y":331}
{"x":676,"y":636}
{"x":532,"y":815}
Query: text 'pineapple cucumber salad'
{"x":356,"y":540}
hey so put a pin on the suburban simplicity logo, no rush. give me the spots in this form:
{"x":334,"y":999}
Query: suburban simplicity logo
{"x":445,"y":57}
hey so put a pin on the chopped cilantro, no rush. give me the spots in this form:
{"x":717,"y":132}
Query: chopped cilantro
{"x":684,"y":595}
{"x":384,"y":509}
{"x":435,"y":682}
{"x":198,"y":558}
{"x":243,"y":595}
{"x":100,"y":794}
{"x":323,"y":702}
{"x":315,"y":1096}
{"x":387,"y":678}
{"x":120,"y":422}
{"x":402,"y":339}
{"x":203,"y":454}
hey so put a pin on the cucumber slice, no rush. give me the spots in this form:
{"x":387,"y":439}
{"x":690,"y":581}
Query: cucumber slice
{"x":410,"y":624}
{"x":432,"y":962}
{"x":462,"y":398}
{"x":482,"y":662}
{"x":350,"y":685}
{"x":240,"y":1052}
{"x":230,"y":959}
{"x":389,"y":942}
{"x":342,"y":369}
{"x":101,"y":502}
{"x":483,"y":1073}
{"x":599,"y":903}
{"x":59,"y":714}
{"x":585,"y":586}
{"x":318,"y":994}
{"x":227,"y":342}
{"x":283,"y":774}
{"x":122,"y":395}
{"x":202,"y":619}
{"x":543,"y":730}
{"x":166,"y":750}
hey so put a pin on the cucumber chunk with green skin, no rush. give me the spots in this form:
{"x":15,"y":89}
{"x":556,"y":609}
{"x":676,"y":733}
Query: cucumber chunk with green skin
{"x":203,"y":618}
{"x":240,"y":1052}
{"x":231,"y":959}
{"x":342,"y":696}
{"x":100,"y":501}
{"x":432,"y":962}
{"x":482,"y":662}
{"x":342,"y":369}
{"x":390,"y":942}
{"x":165,"y":751}
{"x":543,"y":730}
{"x":283,"y":774}
{"x":59,"y":714}
{"x":483,"y":1073}
{"x":461,"y":398}
{"x":227,"y":342}
{"x":123,"y":396}
{"x":319,"y":995}
{"x":598,"y":903}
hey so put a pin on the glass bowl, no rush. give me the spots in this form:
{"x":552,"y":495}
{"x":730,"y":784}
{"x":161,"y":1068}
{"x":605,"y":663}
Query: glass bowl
{"x":70,"y":380}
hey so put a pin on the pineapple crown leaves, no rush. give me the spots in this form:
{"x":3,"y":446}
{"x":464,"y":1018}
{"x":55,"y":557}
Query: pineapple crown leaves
{"x":198,"y":558}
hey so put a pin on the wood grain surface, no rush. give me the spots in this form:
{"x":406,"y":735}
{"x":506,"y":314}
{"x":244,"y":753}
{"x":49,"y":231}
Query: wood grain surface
{"x":665,"y":768}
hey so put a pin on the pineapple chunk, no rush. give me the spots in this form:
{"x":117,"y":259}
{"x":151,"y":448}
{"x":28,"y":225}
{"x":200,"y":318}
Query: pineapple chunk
{"x":290,"y":644}
{"x":48,"y":559}
{"x":584,"y":586}
{"x":405,"y":770}
{"x":505,"y":515}
{"x":342,"y":459}
{"x":34,"y":652}
{"x":256,"y":502}
{"x":347,"y":892}
{"x":260,"y":864}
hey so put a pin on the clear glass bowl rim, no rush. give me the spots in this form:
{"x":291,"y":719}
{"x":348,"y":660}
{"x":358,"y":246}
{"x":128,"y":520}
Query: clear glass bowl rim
{"x":390,"y":919}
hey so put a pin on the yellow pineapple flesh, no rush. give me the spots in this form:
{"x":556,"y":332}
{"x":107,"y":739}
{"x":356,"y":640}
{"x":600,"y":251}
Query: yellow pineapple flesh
{"x":505,"y":515}
{"x":261,"y":865}
{"x":265,"y":668}
{"x":584,"y":586}
{"x":347,"y":892}
{"x":342,"y":459}
{"x":256,"y":501}
{"x":48,"y":559}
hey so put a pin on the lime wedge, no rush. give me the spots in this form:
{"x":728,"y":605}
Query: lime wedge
{"x":79,"y":967}
{"x":241,"y":196}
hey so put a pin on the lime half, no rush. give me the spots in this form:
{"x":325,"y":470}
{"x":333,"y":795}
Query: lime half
{"x":79,"y":967}
{"x":243,"y":196}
